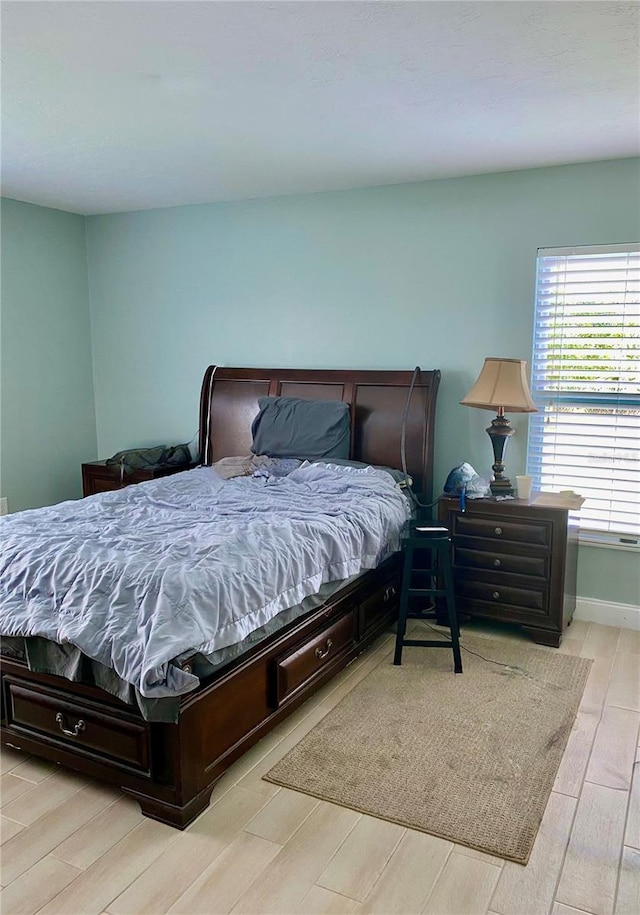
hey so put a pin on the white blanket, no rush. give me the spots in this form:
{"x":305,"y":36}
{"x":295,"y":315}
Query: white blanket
{"x":190,"y":562}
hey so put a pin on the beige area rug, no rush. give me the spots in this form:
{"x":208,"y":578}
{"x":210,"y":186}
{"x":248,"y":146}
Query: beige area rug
{"x":471,"y":758}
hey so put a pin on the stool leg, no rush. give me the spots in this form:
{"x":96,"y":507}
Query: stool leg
{"x":451,"y":610}
{"x":404,"y":604}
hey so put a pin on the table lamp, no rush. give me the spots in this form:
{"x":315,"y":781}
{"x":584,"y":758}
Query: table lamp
{"x":501,"y":385}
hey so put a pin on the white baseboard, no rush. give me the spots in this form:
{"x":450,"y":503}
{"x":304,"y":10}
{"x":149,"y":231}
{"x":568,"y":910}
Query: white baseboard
{"x":625,"y":616}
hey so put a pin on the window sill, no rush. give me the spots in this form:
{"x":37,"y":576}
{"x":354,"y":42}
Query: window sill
{"x":628,"y":542}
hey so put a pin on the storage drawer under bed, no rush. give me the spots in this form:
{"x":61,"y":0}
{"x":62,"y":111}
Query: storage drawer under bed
{"x":298,"y":669}
{"x":377,"y":609}
{"x":41,"y":712}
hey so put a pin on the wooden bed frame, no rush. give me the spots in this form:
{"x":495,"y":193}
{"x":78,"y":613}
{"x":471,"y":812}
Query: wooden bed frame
{"x":171,"y":768}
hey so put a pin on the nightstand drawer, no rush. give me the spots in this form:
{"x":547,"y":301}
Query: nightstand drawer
{"x":498,"y":529}
{"x":99,"y":479}
{"x":491,"y":560}
{"x":491,"y":592}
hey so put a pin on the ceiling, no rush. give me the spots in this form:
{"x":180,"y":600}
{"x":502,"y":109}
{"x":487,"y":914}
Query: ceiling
{"x":111,"y":106}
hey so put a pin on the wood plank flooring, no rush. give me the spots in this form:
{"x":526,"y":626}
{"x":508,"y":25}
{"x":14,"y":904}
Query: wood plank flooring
{"x":73,"y":847}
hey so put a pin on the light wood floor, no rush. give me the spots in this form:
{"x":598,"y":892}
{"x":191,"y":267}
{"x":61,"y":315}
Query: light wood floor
{"x":73,"y":847}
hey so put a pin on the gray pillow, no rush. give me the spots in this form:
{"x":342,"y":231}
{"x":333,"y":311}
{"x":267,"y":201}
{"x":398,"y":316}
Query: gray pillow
{"x":307,"y":429}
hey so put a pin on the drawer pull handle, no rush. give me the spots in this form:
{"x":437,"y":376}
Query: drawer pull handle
{"x":389,"y":594}
{"x":496,"y":595}
{"x":323,"y":652}
{"x":80,"y":726}
{"x":498,"y":531}
{"x":497,"y":563}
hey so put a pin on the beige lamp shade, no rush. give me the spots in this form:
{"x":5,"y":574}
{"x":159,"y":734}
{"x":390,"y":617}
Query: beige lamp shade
{"x":501,"y":385}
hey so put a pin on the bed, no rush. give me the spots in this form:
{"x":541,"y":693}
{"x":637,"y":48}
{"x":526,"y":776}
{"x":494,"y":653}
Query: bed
{"x":171,"y":768}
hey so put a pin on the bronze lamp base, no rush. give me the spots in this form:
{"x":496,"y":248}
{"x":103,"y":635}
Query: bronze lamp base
{"x":500,"y":432}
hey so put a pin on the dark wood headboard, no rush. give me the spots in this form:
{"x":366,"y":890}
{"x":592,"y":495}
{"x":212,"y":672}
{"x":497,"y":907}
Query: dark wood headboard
{"x":229,"y":403}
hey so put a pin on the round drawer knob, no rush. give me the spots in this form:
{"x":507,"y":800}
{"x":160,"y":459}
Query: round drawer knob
{"x":497,"y":563}
{"x":498,"y":531}
{"x":496,"y":595}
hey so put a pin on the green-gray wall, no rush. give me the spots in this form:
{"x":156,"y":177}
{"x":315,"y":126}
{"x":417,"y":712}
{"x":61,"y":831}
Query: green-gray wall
{"x":46,"y":381}
{"x":439,"y":274}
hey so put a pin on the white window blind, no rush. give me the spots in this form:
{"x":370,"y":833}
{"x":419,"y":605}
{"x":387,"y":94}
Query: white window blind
{"x":585,"y":381}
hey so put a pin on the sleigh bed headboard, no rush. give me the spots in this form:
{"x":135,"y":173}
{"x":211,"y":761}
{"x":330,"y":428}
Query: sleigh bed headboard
{"x":229,"y":403}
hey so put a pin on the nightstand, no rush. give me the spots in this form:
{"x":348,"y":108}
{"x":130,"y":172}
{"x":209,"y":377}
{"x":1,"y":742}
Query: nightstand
{"x":98,"y":476}
{"x":515,"y":562}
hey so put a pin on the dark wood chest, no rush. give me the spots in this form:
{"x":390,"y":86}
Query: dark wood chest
{"x":515,"y":562}
{"x":98,"y":476}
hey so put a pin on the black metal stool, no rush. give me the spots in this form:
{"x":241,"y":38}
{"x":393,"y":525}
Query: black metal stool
{"x":436,"y":541}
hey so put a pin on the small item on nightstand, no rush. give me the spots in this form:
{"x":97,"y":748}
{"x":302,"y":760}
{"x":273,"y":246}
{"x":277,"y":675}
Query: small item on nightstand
{"x":524,"y":483}
{"x":143,"y":458}
{"x":566,"y":498}
{"x":105,"y":476}
{"x":464,"y":477}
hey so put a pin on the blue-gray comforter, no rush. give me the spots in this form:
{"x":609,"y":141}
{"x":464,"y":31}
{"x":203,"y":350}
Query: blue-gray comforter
{"x":135,"y":578}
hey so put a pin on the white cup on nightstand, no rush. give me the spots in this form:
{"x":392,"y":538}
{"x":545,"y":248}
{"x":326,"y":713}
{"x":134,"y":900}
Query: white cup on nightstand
{"x":523,"y":486}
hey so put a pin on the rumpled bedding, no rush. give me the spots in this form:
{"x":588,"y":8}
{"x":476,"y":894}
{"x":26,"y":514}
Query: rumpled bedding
{"x":257,"y":465}
{"x":45,"y":656}
{"x":191,"y":562}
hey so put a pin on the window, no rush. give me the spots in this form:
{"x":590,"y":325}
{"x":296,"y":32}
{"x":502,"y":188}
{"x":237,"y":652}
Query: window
{"x":585,"y":381}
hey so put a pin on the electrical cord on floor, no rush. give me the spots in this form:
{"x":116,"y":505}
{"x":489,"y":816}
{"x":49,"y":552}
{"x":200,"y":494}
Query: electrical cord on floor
{"x":543,"y":684}
{"x":468,"y":650}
